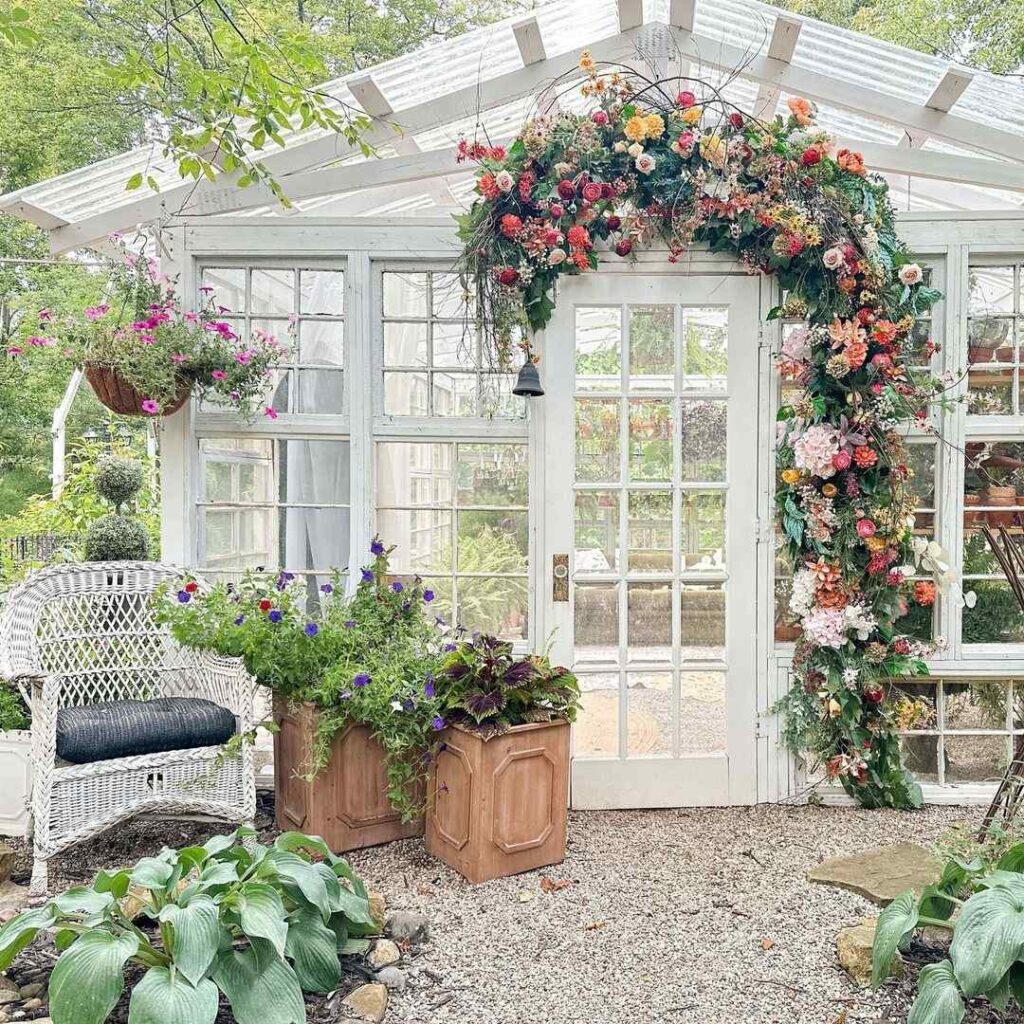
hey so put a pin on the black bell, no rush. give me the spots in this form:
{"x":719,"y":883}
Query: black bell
{"x":528,"y":383}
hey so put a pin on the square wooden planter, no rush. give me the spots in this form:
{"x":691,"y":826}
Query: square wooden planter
{"x":347,"y":803}
{"x":498,"y":807}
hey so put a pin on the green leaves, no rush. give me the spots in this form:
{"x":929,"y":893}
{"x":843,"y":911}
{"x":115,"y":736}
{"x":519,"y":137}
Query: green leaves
{"x":88,"y":979}
{"x":15,"y":29}
{"x":895,"y":922}
{"x":313,"y":949}
{"x":21,"y":930}
{"x":261,"y":914}
{"x":196,"y":934}
{"x":261,"y":988}
{"x":938,"y":999}
{"x":989,"y":937}
{"x":166,"y":997}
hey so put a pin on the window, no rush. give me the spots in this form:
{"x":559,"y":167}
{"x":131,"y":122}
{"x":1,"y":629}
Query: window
{"x":994,"y":320}
{"x":303,"y":306}
{"x":281,"y":503}
{"x":457,"y":512}
{"x":434,"y":360}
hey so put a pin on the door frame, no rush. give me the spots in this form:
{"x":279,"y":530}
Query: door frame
{"x":669,"y":781}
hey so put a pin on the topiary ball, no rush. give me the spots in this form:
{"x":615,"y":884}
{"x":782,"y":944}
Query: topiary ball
{"x":117,"y":479}
{"x":116,"y":538}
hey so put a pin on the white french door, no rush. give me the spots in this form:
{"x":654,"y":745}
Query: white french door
{"x":649,"y":431}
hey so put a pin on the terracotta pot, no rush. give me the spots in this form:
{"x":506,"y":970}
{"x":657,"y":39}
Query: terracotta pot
{"x":120,"y":397}
{"x":498,"y":807}
{"x":786,"y":632}
{"x":996,"y":494}
{"x":347,"y":803}
{"x":972,"y":520}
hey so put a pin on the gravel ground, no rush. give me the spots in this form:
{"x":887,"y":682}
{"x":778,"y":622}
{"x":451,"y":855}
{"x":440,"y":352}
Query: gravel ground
{"x":683,"y":916}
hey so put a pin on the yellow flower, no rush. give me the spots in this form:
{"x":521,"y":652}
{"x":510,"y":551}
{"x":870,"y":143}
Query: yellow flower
{"x":586,"y":62}
{"x":791,"y":476}
{"x":691,"y":115}
{"x":834,"y":708}
{"x":830,"y":490}
{"x":655,"y":126}
{"x":636,"y":128}
{"x":714,"y":150}
{"x":875,"y":543}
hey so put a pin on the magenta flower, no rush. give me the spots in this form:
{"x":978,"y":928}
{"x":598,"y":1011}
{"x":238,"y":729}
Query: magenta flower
{"x":270,"y":413}
{"x":179,"y":358}
{"x":219,"y":375}
{"x":14,"y":350}
{"x":39,"y":342}
{"x":45,"y":316}
{"x":243,"y":357}
{"x":97,"y":312}
{"x":150,"y":407}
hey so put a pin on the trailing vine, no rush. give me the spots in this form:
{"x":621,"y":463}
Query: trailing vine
{"x":673,"y":161}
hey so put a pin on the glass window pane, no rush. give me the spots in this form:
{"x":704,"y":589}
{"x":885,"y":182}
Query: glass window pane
{"x":423,"y":538}
{"x":321,"y":392}
{"x":649,"y":621}
{"x":405,"y":294}
{"x":652,"y":342}
{"x":702,"y":427}
{"x":921,"y":757}
{"x":649,"y":714}
{"x":237,"y":538}
{"x":996,"y":617}
{"x":990,"y":340}
{"x":596,"y":616}
{"x":990,"y":290}
{"x":976,"y":758}
{"x":705,"y":347}
{"x":702,"y":531}
{"x":315,"y":538}
{"x":450,"y":297}
{"x":455,"y":394}
{"x":493,"y":605}
{"x":492,"y":474}
{"x":975,"y":705}
{"x":414,"y":474}
{"x":225,"y":287}
{"x":492,"y":542}
{"x":650,"y":440}
{"x":237,"y":471}
{"x":322,"y":341}
{"x":702,"y":719}
{"x":597,"y":440}
{"x":596,"y":731}
{"x":650,"y":531}
{"x":405,"y":344}
{"x":990,"y":392}
{"x":702,"y":621}
{"x":322,"y":291}
{"x":598,"y":348}
{"x":921,"y":460}
{"x":273,"y":292}
{"x":455,"y":345}
{"x":405,"y":394}
{"x":315,"y":472}
{"x":597,"y":531}
{"x":994,"y":472}
{"x":496,"y":398}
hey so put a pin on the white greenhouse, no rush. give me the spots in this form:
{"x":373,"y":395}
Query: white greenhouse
{"x":392,"y":421}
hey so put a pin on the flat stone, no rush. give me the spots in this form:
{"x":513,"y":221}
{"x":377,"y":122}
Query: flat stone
{"x":7,"y":856}
{"x":853,"y":944}
{"x":368,"y":1002}
{"x":32,"y":1004}
{"x":378,"y":908}
{"x":880,"y":874}
{"x":392,"y":977}
{"x":384,"y":953}
{"x":31,"y":990}
{"x":409,"y":926}
{"x":13,"y":896}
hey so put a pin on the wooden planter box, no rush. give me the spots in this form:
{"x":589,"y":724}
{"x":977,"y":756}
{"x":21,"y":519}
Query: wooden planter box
{"x":347,"y":803}
{"x":498,"y":807}
{"x":15,"y":782}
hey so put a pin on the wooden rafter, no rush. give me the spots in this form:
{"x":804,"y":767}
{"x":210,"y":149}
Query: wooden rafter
{"x":781,"y":46}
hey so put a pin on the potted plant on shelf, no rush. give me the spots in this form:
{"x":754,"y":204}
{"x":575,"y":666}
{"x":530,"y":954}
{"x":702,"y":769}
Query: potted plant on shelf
{"x":498,"y":786}
{"x":144,"y":354}
{"x":355,"y":708}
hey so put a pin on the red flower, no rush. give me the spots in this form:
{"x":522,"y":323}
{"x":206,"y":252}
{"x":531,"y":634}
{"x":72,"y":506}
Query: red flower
{"x":557,"y":210}
{"x":874,"y":693}
{"x":865,"y":315}
{"x":265,"y":605}
{"x":488,"y":187}
{"x":624,"y":247}
{"x":864,"y":456}
{"x":607,"y":190}
{"x":614,"y":222}
{"x":578,"y":236}
{"x":599,"y":117}
{"x":580,"y":258}
{"x":511,"y":225}
{"x":736,"y":120}
{"x":566,"y":189}
{"x":810,"y":156}
{"x":592,"y":191}
{"x":508,"y":276}
{"x":841,"y":460}
{"x":686,"y":99}
{"x":191,"y":586}
{"x":526,"y":180}
{"x":901,"y":646}
{"x":924,"y":593}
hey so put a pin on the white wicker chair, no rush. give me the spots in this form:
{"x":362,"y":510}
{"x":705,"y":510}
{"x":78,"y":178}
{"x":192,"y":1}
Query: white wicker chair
{"x":82,"y":633}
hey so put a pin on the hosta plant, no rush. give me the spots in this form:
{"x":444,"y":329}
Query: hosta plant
{"x":984,"y":910}
{"x":259,"y":924}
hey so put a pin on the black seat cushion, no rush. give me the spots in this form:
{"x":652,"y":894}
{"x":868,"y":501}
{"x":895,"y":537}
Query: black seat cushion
{"x":125,"y":728}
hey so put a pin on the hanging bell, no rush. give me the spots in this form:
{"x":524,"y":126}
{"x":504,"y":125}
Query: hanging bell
{"x":528,"y":382}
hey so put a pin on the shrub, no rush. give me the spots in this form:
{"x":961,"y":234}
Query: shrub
{"x":13,"y":712}
{"x":260,"y":925}
{"x":118,"y":479}
{"x":116,"y":538}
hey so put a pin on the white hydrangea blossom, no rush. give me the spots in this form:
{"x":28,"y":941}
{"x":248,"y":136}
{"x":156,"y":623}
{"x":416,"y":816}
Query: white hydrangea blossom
{"x":860,"y":620}
{"x":801,"y":600}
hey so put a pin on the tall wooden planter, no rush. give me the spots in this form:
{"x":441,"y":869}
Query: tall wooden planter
{"x":498,"y":807}
{"x":347,"y":803}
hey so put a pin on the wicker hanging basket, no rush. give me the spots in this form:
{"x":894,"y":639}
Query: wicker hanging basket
{"x":120,"y":397}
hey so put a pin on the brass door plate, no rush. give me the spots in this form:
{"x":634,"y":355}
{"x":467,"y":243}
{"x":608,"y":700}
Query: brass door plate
{"x":560,"y":577}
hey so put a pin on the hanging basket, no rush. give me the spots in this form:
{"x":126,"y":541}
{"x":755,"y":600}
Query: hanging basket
{"x":120,"y":397}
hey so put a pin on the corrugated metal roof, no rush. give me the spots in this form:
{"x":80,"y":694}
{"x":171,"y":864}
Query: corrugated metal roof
{"x":567,"y":26}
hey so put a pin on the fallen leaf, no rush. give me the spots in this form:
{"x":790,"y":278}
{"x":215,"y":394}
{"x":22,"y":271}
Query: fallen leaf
{"x":553,"y":885}
{"x":525,"y":896}
{"x":767,"y":943}
{"x":594,"y":926}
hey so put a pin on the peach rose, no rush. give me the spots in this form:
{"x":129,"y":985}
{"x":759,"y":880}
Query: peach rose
{"x":801,"y":109}
{"x":851,"y":162}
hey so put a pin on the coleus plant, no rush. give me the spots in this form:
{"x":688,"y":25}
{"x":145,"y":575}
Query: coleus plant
{"x":259,"y":924}
{"x":984,"y":909}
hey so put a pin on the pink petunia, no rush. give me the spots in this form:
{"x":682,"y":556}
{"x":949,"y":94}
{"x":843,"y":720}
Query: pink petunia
{"x":150,"y":407}
{"x":243,"y":357}
{"x":219,"y":375}
{"x":179,"y":358}
{"x":14,"y":350}
{"x":270,"y":413}
{"x":45,"y":315}
{"x":97,"y":312}
{"x":37,"y":341}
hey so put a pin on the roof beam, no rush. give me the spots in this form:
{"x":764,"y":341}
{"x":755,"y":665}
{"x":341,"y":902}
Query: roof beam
{"x":949,"y":89}
{"x":682,"y":13}
{"x":529,"y":40}
{"x":369,"y":97}
{"x":35,"y":215}
{"x":631,"y":14}
{"x":781,"y":47}
{"x":919,"y":163}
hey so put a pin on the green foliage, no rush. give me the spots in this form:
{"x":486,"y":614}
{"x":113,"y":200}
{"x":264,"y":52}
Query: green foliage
{"x":118,"y":479}
{"x":490,"y":690}
{"x":14,"y":714}
{"x":260,"y":924}
{"x":116,"y":538}
{"x":986,"y":954}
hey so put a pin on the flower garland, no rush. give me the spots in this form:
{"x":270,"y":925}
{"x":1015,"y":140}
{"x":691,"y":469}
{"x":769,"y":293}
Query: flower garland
{"x":684,"y":167}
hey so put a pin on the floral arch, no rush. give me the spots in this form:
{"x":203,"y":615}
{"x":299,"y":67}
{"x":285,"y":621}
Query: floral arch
{"x":672,"y":161}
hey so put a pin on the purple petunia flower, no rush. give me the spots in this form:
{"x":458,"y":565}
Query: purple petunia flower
{"x":376,"y":548}
{"x":367,"y":575}
{"x":437,"y":724}
{"x":184,"y":596}
{"x":326,"y":588}
{"x":350,"y":624}
{"x":311,"y":629}
{"x":429,"y":689}
{"x":361,"y":680}
{"x":397,"y":586}
{"x":408,"y":704}
{"x":239,"y":620}
{"x":448,"y":648}
{"x":406,"y":606}
{"x":428,"y":596}
{"x":346,"y":695}
{"x":275,"y":616}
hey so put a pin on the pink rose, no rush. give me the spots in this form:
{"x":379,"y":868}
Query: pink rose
{"x":599,"y":117}
{"x":866,"y":528}
{"x":841,"y":460}
{"x":592,"y":191}
{"x":557,"y":210}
